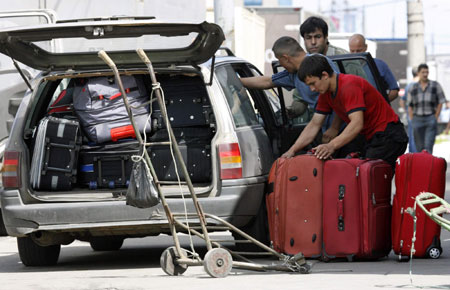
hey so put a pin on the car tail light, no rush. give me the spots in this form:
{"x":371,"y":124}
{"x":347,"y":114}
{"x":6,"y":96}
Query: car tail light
{"x":11,"y":169}
{"x":230,"y":161}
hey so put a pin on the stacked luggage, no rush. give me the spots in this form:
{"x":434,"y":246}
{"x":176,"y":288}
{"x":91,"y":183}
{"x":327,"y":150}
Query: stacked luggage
{"x":94,"y":140}
{"x":190,"y":115}
{"x":341,"y":208}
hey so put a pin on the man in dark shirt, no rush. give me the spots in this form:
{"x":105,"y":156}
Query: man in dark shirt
{"x":424,"y":100}
{"x":357,"y":44}
{"x":355,"y":102}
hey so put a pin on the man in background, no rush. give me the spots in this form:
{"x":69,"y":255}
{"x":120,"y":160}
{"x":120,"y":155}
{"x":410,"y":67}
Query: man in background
{"x":314,"y":31}
{"x":424,"y":100}
{"x":357,"y":44}
{"x":290,"y":55}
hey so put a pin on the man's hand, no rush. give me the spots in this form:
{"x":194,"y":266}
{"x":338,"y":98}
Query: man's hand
{"x":329,"y":135}
{"x":288,"y":154}
{"x":324,"y":151}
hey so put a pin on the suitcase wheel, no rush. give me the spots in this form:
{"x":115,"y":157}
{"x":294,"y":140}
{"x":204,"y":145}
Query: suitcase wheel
{"x":434,"y":252}
{"x":93,"y":185}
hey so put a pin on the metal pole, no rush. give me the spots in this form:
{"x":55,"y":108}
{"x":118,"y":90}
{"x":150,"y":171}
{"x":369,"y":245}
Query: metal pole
{"x":177,"y":152}
{"x":416,"y":45}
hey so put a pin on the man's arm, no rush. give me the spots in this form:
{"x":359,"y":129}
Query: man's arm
{"x":353,"y":128}
{"x":410,"y":112}
{"x":393,"y":94}
{"x":307,"y":136}
{"x":259,"y":82}
{"x":438,"y":111}
{"x":333,"y":131}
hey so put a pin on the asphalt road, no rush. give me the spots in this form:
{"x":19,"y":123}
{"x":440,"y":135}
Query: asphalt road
{"x":136,"y":266}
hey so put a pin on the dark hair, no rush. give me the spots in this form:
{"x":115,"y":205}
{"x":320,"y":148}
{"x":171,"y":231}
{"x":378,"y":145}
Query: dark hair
{"x":311,"y":24}
{"x":421,"y":66}
{"x":313,"y":66}
{"x":286,"y":45}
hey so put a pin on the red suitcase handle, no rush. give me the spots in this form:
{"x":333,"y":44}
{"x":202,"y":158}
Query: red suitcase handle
{"x":340,"y":208}
{"x":122,"y":132}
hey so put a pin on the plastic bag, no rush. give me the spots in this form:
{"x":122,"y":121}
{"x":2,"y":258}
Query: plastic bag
{"x":142,"y":192}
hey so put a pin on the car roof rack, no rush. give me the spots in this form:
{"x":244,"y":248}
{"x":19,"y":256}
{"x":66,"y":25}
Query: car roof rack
{"x":111,"y":18}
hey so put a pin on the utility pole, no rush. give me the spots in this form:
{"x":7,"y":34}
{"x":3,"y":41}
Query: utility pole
{"x":416,"y":44}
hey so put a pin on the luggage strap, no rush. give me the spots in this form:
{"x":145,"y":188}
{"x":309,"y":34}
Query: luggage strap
{"x":115,"y":96}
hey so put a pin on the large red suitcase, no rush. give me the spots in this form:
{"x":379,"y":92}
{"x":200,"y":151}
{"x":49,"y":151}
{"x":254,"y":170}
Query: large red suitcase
{"x":356,"y":208}
{"x":294,"y":205}
{"x":416,"y":173}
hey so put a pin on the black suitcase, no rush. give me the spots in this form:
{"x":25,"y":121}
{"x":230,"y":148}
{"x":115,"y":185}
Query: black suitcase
{"x":55,"y":154}
{"x":107,"y":166}
{"x":195,"y":146}
{"x":187,"y":103}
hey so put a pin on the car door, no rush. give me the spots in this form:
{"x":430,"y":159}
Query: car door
{"x":365,"y":66}
{"x":281,"y":132}
{"x":292,"y":124}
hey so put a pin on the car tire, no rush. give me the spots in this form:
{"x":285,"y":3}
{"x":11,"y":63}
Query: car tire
{"x":258,"y":228}
{"x":33,"y":255}
{"x":2,"y":227}
{"x":106,"y":243}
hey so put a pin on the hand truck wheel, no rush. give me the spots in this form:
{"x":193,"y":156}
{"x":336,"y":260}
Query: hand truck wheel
{"x":169,"y":264}
{"x":434,"y":252}
{"x":305,"y":269}
{"x":218,"y":263}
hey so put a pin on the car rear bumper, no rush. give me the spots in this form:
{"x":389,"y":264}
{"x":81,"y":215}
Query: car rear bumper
{"x":237,"y":204}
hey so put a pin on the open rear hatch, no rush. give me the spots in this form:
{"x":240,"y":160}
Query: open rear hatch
{"x":74,"y":45}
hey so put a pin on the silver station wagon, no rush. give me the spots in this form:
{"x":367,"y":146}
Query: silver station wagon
{"x":229,"y":135}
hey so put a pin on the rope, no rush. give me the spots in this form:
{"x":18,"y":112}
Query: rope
{"x":413,"y":213}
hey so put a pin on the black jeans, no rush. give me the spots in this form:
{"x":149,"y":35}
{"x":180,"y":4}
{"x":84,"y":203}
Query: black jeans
{"x":389,"y":144}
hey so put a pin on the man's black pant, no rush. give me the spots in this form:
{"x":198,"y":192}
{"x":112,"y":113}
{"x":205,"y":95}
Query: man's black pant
{"x":389,"y":144}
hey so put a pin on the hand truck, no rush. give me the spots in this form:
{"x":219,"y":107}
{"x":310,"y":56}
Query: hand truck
{"x":218,"y":260}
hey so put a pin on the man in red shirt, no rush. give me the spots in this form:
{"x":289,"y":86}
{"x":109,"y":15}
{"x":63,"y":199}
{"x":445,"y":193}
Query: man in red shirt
{"x":355,"y":102}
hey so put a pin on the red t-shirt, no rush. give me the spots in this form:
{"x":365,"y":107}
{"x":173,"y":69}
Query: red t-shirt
{"x":354,"y":93}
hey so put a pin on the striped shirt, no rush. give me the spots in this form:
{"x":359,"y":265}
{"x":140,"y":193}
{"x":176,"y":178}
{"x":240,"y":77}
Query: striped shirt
{"x":424,"y":102}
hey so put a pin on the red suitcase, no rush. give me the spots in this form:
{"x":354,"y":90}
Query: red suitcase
{"x":356,"y":208}
{"x":416,"y":173}
{"x":294,"y":205}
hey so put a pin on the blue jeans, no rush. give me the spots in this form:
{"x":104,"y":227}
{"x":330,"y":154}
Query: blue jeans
{"x":412,"y":144}
{"x":425,"y":129}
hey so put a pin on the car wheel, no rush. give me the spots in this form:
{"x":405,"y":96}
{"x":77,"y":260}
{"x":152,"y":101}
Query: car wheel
{"x":258,"y":228}
{"x":2,"y":226}
{"x":106,"y":243}
{"x":31,"y":254}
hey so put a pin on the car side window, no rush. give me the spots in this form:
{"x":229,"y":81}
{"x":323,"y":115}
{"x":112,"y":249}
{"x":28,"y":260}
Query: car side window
{"x":358,"y":67}
{"x":241,"y":106}
{"x":273,"y":99}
